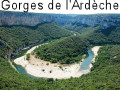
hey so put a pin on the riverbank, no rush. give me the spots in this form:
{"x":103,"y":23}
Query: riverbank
{"x":44,"y":69}
{"x":12,"y":65}
{"x":95,"y":51}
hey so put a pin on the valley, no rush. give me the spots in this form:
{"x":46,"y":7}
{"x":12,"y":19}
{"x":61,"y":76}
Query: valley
{"x":59,"y":52}
{"x":46,"y":69}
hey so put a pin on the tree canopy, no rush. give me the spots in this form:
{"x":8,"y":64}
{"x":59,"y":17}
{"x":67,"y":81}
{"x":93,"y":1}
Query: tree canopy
{"x":65,"y":51}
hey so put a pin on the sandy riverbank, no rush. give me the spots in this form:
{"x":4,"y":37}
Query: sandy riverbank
{"x":95,"y":51}
{"x":40,"y":68}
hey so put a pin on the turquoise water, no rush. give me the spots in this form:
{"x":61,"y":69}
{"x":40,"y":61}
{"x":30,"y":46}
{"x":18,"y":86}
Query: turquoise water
{"x":20,"y":69}
{"x":84,"y":66}
{"x":86,"y":63}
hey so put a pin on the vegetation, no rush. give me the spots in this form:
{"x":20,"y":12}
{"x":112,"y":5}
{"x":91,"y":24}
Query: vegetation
{"x":50,"y":71}
{"x":18,"y":36}
{"x":20,"y":54}
{"x":106,"y":36}
{"x":3,"y":52}
{"x":81,"y":29}
{"x":95,"y":35}
{"x":47,"y":64}
{"x":61,"y":67}
{"x":28,"y":57}
{"x":104,"y":75}
{"x":65,"y":51}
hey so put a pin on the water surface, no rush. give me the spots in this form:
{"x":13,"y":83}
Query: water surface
{"x":86,"y":63}
{"x":84,"y":66}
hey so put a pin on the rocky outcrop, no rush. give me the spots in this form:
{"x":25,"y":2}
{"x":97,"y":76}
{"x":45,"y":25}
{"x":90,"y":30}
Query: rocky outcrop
{"x":26,"y":19}
{"x":33,"y":19}
{"x":104,"y":21}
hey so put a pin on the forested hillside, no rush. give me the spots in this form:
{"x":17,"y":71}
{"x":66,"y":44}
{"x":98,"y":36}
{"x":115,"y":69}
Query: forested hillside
{"x":82,"y":30}
{"x":93,"y":29}
{"x":3,"y":51}
{"x":18,"y":36}
{"x":65,"y":51}
{"x":106,"y":36}
{"x":98,"y":29}
{"x":104,"y":75}
{"x":95,"y":35}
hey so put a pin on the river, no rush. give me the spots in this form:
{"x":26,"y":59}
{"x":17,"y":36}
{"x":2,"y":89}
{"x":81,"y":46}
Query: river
{"x":83,"y":67}
{"x":86,"y":63}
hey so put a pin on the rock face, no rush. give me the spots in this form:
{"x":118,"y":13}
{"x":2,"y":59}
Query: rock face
{"x":33,"y":19}
{"x":63,"y":19}
{"x":26,"y":19}
{"x":104,"y":21}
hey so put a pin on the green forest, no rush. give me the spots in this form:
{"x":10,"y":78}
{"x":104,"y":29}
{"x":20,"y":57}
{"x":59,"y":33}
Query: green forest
{"x":96,"y":35}
{"x":81,"y":29}
{"x":108,"y":36}
{"x":19,"y":36}
{"x":104,"y":75}
{"x":66,"y":45}
{"x":66,"y":50}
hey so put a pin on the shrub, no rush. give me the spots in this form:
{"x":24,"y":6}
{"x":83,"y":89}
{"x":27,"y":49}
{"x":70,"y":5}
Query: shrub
{"x":28,"y":57}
